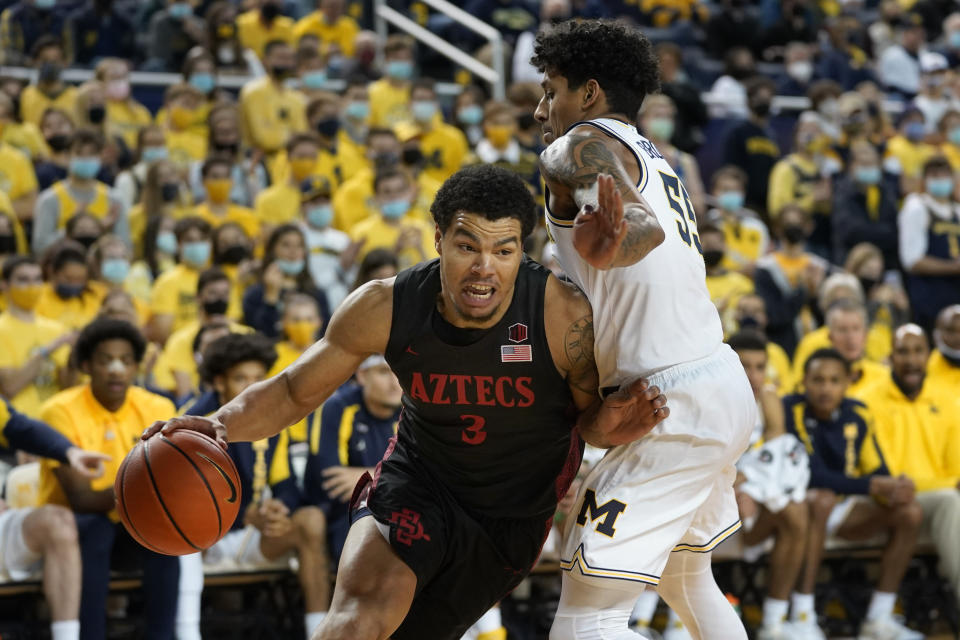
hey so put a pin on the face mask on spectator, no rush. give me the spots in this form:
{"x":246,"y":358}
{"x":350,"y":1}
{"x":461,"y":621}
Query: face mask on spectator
{"x":69,"y":291}
{"x":829,"y":109}
{"x":167,"y":242}
{"x":179,"y":10}
{"x":954,"y":39}
{"x":952,"y":355}
{"x":202,"y":81}
{"x":301,"y":168}
{"x":868,"y":283}
{"x":499,"y":135}
{"x":48,"y":73}
{"x":59,"y":142}
{"x":712,"y":258}
{"x":954,"y":134}
{"x":867,"y":175}
{"x":290,"y":267}
{"x":85,"y":168}
{"x":399,"y":69}
{"x":471,"y":114}
{"x":395,"y":209}
{"x":314,"y":79}
{"x":153,"y":154}
{"x":794,"y":234}
{"x":412,"y":156}
{"x":26,"y":297}
{"x":302,"y":332}
{"x":329,"y":127}
{"x":232,"y":148}
{"x":196,"y":253}
{"x":216,"y":307}
{"x":169,"y":191}
{"x":270,"y":11}
{"x":234,"y":254}
{"x":730,"y":201}
{"x":801,"y":71}
{"x":760,"y":108}
{"x":423,"y":110}
{"x":115,"y":270}
{"x":96,"y":114}
{"x":319,"y":216}
{"x":660,"y":128}
{"x":749,"y":322}
{"x":218,"y":189}
{"x":86,"y":241}
{"x":940,"y":187}
{"x":117,"y":90}
{"x":914,"y":131}
{"x":8,"y":244}
{"x":357,"y":110}
{"x":182,"y":117}
{"x":281,"y":71}
{"x":45,"y":5}
{"x":226,"y":54}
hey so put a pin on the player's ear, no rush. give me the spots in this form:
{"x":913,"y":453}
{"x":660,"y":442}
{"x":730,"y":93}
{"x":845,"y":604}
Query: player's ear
{"x":437,"y":235}
{"x":591,"y":93}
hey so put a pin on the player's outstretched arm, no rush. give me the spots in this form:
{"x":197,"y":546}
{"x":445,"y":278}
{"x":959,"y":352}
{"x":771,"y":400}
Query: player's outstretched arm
{"x":614,"y":224}
{"x":359,"y":328}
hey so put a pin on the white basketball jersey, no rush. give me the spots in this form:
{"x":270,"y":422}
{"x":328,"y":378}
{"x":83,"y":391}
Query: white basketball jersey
{"x":656,"y":313}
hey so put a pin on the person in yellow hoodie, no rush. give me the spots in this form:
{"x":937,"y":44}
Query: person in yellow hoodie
{"x":444,"y":146}
{"x":350,"y":204}
{"x":272,"y":112}
{"x":185,"y":144}
{"x":918,"y":428}
{"x":174,"y":295}
{"x":280,"y":203}
{"x":302,"y":326}
{"x":262,"y":25}
{"x":50,"y":90}
{"x":217,"y":208}
{"x":125,"y":116}
{"x":390,"y":95}
{"x":329,"y":24}
{"x":943,"y":368}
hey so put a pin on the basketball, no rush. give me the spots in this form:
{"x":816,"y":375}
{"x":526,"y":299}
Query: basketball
{"x":177,"y":494}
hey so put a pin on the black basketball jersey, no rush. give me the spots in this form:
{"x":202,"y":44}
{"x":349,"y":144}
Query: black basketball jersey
{"x":485,"y":411}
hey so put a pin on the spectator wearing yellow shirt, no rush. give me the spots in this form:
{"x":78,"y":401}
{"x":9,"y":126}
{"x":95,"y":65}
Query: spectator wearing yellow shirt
{"x":233,"y":254}
{"x":17,"y":177}
{"x":280,"y":203}
{"x":355,"y":112}
{"x":725,"y":286}
{"x":272,"y":112}
{"x":33,"y":349}
{"x":444,"y":146}
{"x":163,"y":193}
{"x":918,"y":428}
{"x":50,"y":90}
{"x":747,"y":237}
{"x":311,"y":71}
{"x":301,"y":328}
{"x":107,"y":416}
{"x":70,"y":297}
{"x":185,"y":144}
{"x":887,"y":302}
{"x":350,"y":204}
{"x":907,"y":151}
{"x":125,"y":116}
{"x":330,"y":25}
{"x":217,"y":208}
{"x":396,"y":226}
{"x":12,"y":239}
{"x":259,"y":27}
{"x":751,"y":314}
{"x":23,"y":136}
{"x":156,"y":254}
{"x":80,"y":192}
{"x":109,"y":260}
{"x":323,"y":119}
{"x":943,"y":368}
{"x":390,"y":95}
{"x":173,"y":300}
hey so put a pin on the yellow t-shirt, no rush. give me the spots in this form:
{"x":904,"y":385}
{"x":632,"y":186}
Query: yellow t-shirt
{"x":378,"y":233}
{"x":444,"y":148}
{"x":177,"y":355}
{"x":78,"y":415}
{"x":278,"y":204}
{"x":725,"y":290}
{"x":747,"y":240}
{"x":75,"y":313}
{"x":175,"y":292}
{"x":125,"y":118}
{"x":343,"y":32}
{"x":97,"y":206}
{"x":185,"y":147}
{"x":389,"y":105}
{"x":242,"y":216}
{"x":17,"y":177}
{"x":271,"y":114}
{"x":910,"y":155}
{"x":878,"y":345}
{"x":198,"y":126}
{"x":34,"y":102}
{"x":779,"y":373}
{"x":351,"y":155}
{"x":26,"y":138}
{"x":792,"y":180}
{"x":353,"y":201}
{"x":952,"y":153}
{"x":942,"y":375}
{"x":287,"y":354}
{"x":253,"y":34}
{"x":328,"y":166}
{"x":19,"y":340}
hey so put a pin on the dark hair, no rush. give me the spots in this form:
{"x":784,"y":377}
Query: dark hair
{"x":487,"y":190}
{"x":747,"y":340}
{"x":298,"y":139}
{"x":376,"y":259}
{"x":390,"y":171}
{"x":936,"y":163}
{"x":213,"y":326}
{"x":216,"y":242}
{"x":305,"y":283}
{"x":13,"y":263}
{"x":209,"y":276}
{"x":149,"y":244}
{"x":87,"y":137}
{"x":754,"y":85}
{"x":826,"y":354}
{"x":103,"y":329}
{"x":46,"y":41}
{"x":224,"y":353}
{"x":210,"y":163}
{"x":76,"y":218}
{"x":729,"y":171}
{"x":708,"y":227}
{"x":424,"y":83}
{"x":67,"y":254}
{"x":379,"y":131}
{"x":273,"y":44}
{"x":193,"y":222}
{"x":618,"y":57}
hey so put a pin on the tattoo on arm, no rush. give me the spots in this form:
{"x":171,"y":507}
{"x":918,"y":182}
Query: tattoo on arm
{"x":644,"y":234}
{"x":578,"y":346}
{"x":579,"y":163}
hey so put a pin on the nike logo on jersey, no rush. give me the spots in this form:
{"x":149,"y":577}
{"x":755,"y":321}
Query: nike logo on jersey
{"x":411,"y":351}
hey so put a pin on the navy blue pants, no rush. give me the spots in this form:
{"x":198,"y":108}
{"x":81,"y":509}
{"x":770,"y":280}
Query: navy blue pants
{"x":104,"y":543}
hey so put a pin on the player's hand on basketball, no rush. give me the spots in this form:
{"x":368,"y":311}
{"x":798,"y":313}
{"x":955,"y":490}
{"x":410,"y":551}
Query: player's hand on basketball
{"x":210,"y":427}
{"x":598,"y":231}
{"x":630,"y":413}
{"x":339,"y":482}
{"x":89,"y":464}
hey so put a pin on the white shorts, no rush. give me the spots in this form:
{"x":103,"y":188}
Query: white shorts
{"x":17,"y":561}
{"x":240,"y":549}
{"x":672,"y":490}
{"x":838,"y":515}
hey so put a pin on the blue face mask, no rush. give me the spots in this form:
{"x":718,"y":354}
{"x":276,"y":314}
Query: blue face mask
{"x":314,"y":79}
{"x":940,"y":187}
{"x":471,"y":114}
{"x":153,"y":154}
{"x":85,"y":168}
{"x":69,"y":291}
{"x":320,"y":215}
{"x":290,"y":267}
{"x":202,"y":81}
{"x":395,"y":209}
{"x":45,"y":4}
{"x":867,"y":175}
{"x":115,"y":270}
{"x":358,"y":110}
{"x":167,"y":242}
{"x":914,"y":131}
{"x":399,"y":69}
{"x":179,"y":10}
{"x":954,"y":39}
{"x":954,"y":135}
{"x":730,"y":200}
{"x":196,"y":254}
{"x":423,"y":110}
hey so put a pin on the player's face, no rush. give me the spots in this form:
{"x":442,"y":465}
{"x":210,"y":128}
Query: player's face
{"x":380,"y":387}
{"x":479,"y":260}
{"x":826,"y":381}
{"x":559,"y":107}
{"x":848,"y":333}
{"x":755,"y":364}
{"x":909,"y":359}
{"x":111,"y":368}
{"x":237,"y":378}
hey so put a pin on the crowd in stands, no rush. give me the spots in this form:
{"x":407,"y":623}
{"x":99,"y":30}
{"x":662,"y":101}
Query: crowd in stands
{"x":160,"y":260}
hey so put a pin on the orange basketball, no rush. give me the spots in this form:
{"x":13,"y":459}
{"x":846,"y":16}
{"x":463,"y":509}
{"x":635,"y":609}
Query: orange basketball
{"x":177,"y":494}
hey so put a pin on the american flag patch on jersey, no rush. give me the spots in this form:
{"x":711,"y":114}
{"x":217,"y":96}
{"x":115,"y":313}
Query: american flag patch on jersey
{"x":516,"y":353}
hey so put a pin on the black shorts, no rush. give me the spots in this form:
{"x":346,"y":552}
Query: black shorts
{"x":464,"y":564}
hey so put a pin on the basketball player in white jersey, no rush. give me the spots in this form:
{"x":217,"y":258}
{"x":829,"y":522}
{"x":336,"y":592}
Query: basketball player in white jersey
{"x":650,"y":512}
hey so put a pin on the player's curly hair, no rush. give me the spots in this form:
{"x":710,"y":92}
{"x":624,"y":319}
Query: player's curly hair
{"x":224,"y":353}
{"x":618,"y":57}
{"x":103,"y":329}
{"x":486,"y":190}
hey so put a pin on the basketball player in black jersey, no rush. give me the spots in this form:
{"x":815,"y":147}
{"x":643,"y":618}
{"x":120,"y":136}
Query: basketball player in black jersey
{"x":495,"y":356}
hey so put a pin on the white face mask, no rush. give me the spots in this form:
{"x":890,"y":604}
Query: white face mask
{"x":801,"y":71}
{"x":226,"y":54}
{"x":953,"y":354}
{"x":829,"y":108}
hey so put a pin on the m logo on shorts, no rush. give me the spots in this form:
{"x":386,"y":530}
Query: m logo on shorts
{"x":607,"y":513}
{"x":409,"y":528}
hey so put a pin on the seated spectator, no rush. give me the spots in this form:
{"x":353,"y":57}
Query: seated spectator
{"x":23,"y":23}
{"x":49,"y":90}
{"x":182,"y":106}
{"x":173,"y":298}
{"x":354,"y":111}
{"x":284,"y":271}
{"x":841,"y":60}
{"x":108,"y":415}
{"x":92,"y":114}
{"x":350,"y":202}
{"x":787,"y":279}
{"x":217,"y":208}
{"x":84,"y":229}
{"x":80,"y":191}
{"x":906,"y":151}
{"x":174,"y":30}
{"x":500,"y":146}
{"x":70,"y":297}
{"x":750,"y":145}
{"x":262,"y":25}
{"x":444,"y":146}
{"x":771,"y":485}
{"x":943,"y":367}
{"x":272,"y":112}
{"x":223,"y":42}
{"x":852,"y":493}
{"x":918,"y":429}
{"x":331,"y":253}
{"x":329,"y":24}
{"x":163,"y":194}
{"x":200,"y":72}
{"x":933,"y":99}
{"x":301,"y":327}
{"x":44,"y":539}
{"x":468,"y":114}
{"x":657,"y":122}
{"x":390,"y":95}
{"x":311,"y":71}
{"x":100,"y":30}
{"x":157,"y":254}
{"x":270,"y":526}
{"x":17,"y":177}
{"x":233,"y":254}
{"x":864,"y":206}
{"x":33,"y":349}
{"x":729,"y":94}
{"x":57,"y":129}
{"x":249,"y":174}
{"x":886,"y":300}
{"x":929,"y":243}
{"x":110,"y":260}
{"x":691,"y":112}
{"x":23,"y":136}
{"x":949,"y":133}
{"x":725,"y":287}
{"x":125,"y":116}
{"x":750,"y":314}
{"x":898,"y":67}
{"x":151,"y":148}
{"x":746,"y":236}
{"x":798,"y":70}
{"x":12,"y":238}
{"x":379,"y":264}
{"x":733,"y":27}
{"x":280,"y":203}
{"x":397,"y":226}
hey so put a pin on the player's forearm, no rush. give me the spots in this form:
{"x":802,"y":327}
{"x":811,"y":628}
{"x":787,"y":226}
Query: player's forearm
{"x":930,"y":266}
{"x":644,"y":234}
{"x":588,"y":425}
{"x":262,"y":410}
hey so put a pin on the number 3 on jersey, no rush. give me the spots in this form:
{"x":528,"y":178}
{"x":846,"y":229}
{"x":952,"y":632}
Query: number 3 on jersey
{"x":474,"y":434}
{"x":680,"y":203}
